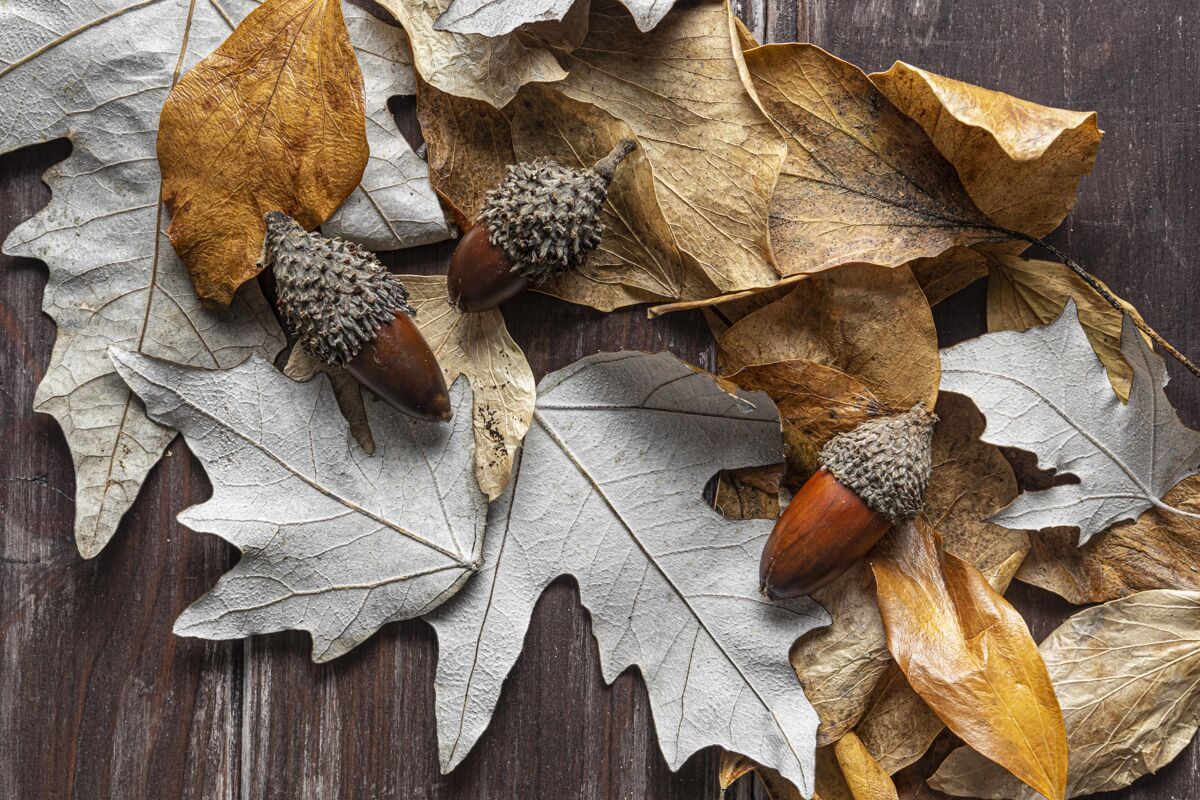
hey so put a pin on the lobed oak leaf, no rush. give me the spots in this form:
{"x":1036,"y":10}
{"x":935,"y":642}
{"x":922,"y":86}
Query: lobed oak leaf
{"x":333,"y":541}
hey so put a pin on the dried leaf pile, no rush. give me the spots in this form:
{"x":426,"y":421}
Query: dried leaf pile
{"x":814,"y":212}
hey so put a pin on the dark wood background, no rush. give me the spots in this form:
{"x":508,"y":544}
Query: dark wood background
{"x":98,"y":699}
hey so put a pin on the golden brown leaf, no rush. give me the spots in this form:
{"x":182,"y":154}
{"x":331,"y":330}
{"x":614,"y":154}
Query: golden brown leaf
{"x":969,"y":654}
{"x":1023,"y":293}
{"x":1156,"y":551}
{"x":1127,"y":675}
{"x":872,"y":323}
{"x":303,"y":367}
{"x":862,"y":182}
{"x":478,"y":346}
{"x":815,"y":403}
{"x":734,"y":766}
{"x":1019,"y":161}
{"x":949,"y":273}
{"x":863,"y":775}
{"x":713,"y":154}
{"x":490,"y":69}
{"x":272,"y":120}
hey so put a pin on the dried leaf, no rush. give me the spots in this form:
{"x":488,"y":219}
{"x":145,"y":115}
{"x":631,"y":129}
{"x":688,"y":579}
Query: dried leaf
{"x":489,"y":69}
{"x":1045,"y":391}
{"x":750,"y":493}
{"x":499,"y":17}
{"x":734,"y":766}
{"x":303,"y":367}
{"x":968,"y":653}
{"x":863,"y":775}
{"x":862,"y":182}
{"x":1019,"y":161}
{"x":273,"y":119}
{"x":479,"y":347}
{"x":621,"y":443}
{"x":1158,"y":550}
{"x":713,"y":154}
{"x":114,"y":278}
{"x":1023,"y":293}
{"x":870,"y":322}
{"x":333,"y":541}
{"x":949,"y":273}
{"x":1126,"y":674}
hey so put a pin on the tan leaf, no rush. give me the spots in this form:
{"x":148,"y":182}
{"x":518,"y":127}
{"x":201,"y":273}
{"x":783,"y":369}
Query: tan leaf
{"x":815,"y":403}
{"x":749,"y":493}
{"x":862,"y":773}
{"x":862,"y":182}
{"x":486,"y":68}
{"x":273,"y":119}
{"x":734,"y":766}
{"x":303,"y":367}
{"x":1127,"y":674}
{"x":969,"y":654}
{"x":1019,"y":161}
{"x":870,"y":322}
{"x":1156,"y":551}
{"x":1023,"y":293}
{"x":713,"y":154}
{"x":478,"y":346}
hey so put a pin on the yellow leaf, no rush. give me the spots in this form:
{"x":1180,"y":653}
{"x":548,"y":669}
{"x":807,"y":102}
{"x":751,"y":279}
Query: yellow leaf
{"x":272,"y":120}
{"x":968,"y":653}
{"x":1019,"y":161}
{"x":863,"y":775}
{"x":1023,"y":293}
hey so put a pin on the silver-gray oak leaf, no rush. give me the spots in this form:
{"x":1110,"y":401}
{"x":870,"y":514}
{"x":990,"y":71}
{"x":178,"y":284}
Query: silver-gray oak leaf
{"x":97,"y":72}
{"x":333,"y":541}
{"x":498,"y":17}
{"x":1045,"y":391}
{"x":609,"y":490}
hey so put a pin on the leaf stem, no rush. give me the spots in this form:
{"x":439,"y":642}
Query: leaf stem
{"x":1169,"y":509}
{"x":1101,"y":290}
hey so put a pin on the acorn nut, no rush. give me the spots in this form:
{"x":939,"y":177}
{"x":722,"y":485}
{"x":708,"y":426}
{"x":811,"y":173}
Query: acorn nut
{"x":870,"y":477}
{"x":541,"y":221}
{"x":348,"y":311}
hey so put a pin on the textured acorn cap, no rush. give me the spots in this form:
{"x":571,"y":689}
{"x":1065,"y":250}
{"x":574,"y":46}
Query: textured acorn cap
{"x":546,"y":217}
{"x":885,"y":461}
{"x":333,"y":294}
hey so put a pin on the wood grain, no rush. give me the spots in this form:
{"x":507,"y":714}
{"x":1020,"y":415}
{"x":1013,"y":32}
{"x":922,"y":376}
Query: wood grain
{"x":99,"y":700}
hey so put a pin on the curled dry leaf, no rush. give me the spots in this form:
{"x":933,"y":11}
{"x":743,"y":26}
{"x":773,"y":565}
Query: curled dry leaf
{"x":478,"y":346}
{"x":273,"y":119}
{"x":734,"y":766}
{"x":1023,"y":293}
{"x":862,"y":773}
{"x":862,"y":182}
{"x":1127,"y":675}
{"x":1045,"y":391}
{"x":301,"y":366}
{"x":498,"y":17}
{"x":870,"y":322}
{"x":949,"y":273}
{"x":1157,"y":550}
{"x":713,"y":154}
{"x":1019,"y":161}
{"x":969,"y":654}
{"x":333,"y":541}
{"x":484,"y":68}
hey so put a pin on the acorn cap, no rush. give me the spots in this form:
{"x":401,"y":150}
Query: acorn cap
{"x":545,"y":217}
{"x":885,"y":461}
{"x":333,"y":294}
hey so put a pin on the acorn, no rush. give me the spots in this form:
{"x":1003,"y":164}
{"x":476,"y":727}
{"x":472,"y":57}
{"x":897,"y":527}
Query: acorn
{"x":541,"y":221}
{"x":870,"y":478}
{"x":348,"y":311}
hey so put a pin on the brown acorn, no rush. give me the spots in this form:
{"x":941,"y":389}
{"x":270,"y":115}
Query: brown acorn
{"x":541,"y":221}
{"x":870,"y":478}
{"x":348,"y":311}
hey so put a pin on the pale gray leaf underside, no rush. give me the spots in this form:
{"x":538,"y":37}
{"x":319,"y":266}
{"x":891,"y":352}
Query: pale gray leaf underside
{"x":609,"y":490}
{"x":333,"y":541}
{"x":498,"y":17}
{"x":1045,"y":391}
{"x":98,"y":71}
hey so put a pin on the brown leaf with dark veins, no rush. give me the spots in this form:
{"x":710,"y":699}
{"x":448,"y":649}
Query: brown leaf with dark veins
{"x":272,"y":120}
{"x":969,"y":654}
{"x":1019,"y":161}
{"x":1156,"y":551}
{"x":862,"y":182}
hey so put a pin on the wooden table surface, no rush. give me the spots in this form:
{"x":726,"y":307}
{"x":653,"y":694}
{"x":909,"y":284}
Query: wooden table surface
{"x":99,"y":700}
